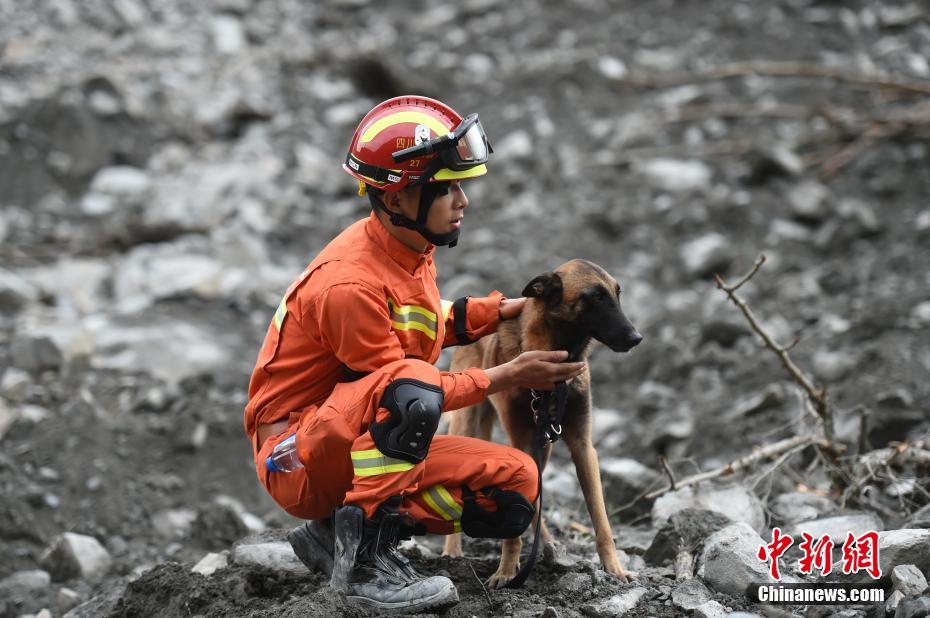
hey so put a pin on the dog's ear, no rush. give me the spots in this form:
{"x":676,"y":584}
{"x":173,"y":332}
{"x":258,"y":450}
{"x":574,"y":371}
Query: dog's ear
{"x":547,"y":286}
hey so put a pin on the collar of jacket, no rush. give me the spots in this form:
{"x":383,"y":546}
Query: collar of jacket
{"x":408,"y":258}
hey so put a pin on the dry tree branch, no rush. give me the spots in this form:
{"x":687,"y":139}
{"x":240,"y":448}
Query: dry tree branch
{"x":779,"y":69}
{"x":902,"y":453}
{"x":668,"y":471}
{"x":487,"y":595}
{"x":874,"y":133}
{"x":818,"y":398}
{"x":760,"y":453}
{"x":777,"y":463}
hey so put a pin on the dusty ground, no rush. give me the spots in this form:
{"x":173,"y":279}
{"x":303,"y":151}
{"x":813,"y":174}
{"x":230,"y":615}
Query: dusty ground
{"x":154,"y":289}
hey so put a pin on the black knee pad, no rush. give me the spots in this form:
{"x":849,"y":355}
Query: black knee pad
{"x":513,"y":515}
{"x":415,"y":408}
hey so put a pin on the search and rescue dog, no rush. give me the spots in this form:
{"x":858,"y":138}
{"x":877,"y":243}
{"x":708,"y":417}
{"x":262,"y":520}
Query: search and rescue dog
{"x":566,"y":309}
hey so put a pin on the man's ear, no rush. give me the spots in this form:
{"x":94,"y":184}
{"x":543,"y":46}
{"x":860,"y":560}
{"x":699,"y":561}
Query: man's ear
{"x":391,"y":201}
{"x":547,"y":286}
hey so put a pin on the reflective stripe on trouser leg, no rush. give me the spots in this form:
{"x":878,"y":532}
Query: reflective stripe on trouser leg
{"x":370,"y":462}
{"x":377,"y":477}
{"x":441,"y":501}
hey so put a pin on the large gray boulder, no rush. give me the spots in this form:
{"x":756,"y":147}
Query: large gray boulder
{"x":838,"y":527}
{"x":798,"y":506}
{"x":731,"y":561}
{"x":734,"y":501}
{"x":906,"y":546}
{"x":685,"y":531}
{"x":899,"y":547}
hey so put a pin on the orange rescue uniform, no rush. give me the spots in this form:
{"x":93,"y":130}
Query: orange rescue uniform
{"x":368,"y":306}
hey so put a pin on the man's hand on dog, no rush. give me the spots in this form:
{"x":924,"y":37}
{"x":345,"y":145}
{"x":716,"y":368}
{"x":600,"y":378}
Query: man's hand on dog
{"x":537,"y":369}
{"x":511,"y":307}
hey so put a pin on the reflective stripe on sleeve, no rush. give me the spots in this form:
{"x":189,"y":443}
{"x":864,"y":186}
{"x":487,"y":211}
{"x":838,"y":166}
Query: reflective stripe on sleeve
{"x":413,"y":317}
{"x":280,"y":313}
{"x":446,"y":309}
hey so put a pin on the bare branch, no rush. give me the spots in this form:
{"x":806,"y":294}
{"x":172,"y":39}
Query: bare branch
{"x":817,"y":398}
{"x":755,"y":268}
{"x":778,"y":462}
{"x":759,"y":454}
{"x":481,"y":583}
{"x":793,"y":343}
{"x":845,"y":155}
{"x":668,"y":471}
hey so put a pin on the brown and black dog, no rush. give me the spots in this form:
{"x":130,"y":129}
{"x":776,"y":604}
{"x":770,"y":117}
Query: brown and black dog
{"x":565,"y":310}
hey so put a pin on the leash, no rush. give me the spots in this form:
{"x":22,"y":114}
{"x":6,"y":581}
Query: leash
{"x":547,"y":430}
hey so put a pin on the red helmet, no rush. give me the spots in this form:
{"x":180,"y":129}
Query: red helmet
{"x":414,"y":139}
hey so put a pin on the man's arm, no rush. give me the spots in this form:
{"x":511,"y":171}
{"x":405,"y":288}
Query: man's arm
{"x":469,"y":318}
{"x":536,"y":369}
{"x":354,"y":322}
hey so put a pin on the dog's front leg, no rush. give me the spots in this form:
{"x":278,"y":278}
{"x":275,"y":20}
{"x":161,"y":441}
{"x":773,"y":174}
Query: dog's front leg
{"x":510,"y":563}
{"x":453,"y":546}
{"x":589,"y":476}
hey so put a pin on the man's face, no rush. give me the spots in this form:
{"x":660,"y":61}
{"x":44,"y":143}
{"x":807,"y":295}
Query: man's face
{"x":447,"y":211}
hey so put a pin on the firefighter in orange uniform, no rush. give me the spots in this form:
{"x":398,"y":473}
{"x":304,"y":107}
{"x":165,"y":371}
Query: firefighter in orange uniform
{"x":347,"y":367}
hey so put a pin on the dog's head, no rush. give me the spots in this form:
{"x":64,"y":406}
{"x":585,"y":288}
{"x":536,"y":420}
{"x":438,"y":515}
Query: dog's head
{"x":584,"y":301}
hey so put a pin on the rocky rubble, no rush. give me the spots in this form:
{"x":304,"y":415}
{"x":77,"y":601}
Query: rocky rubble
{"x":167,"y":168}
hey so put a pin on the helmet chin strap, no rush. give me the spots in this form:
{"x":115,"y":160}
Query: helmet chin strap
{"x":428,"y":193}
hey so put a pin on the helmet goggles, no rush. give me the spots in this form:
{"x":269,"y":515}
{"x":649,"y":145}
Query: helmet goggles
{"x":461,"y":149}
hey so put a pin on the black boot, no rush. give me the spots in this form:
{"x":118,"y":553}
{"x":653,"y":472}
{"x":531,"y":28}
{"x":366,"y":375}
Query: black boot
{"x":313,"y":543}
{"x":370,"y":570}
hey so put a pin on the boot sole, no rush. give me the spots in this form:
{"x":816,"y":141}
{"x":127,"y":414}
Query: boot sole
{"x":314,"y":548}
{"x":447,"y":597}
